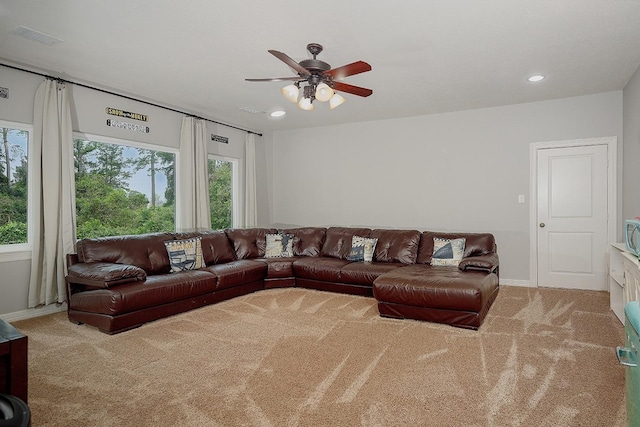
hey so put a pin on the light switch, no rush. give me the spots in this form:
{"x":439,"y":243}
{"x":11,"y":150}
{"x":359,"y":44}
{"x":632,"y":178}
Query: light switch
{"x":521,"y":198}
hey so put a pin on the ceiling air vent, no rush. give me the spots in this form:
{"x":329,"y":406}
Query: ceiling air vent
{"x":37,"y":36}
{"x":252,"y":110}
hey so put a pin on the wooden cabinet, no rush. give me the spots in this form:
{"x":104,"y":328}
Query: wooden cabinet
{"x":13,"y":361}
{"x":624,"y":278}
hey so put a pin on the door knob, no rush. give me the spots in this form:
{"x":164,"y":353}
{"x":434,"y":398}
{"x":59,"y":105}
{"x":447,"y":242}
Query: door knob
{"x":542,"y":225}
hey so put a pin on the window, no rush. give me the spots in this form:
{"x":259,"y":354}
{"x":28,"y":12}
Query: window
{"x":223,"y":192}
{"x":122,"y":187}
{"x":14,"y":186}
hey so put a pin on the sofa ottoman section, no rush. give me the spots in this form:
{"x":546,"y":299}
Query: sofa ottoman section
{"x":436,"y":294}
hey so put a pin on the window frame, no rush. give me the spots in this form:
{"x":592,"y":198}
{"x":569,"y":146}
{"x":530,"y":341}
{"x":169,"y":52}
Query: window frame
{"x":143,"y":145}
{"x":22,"y":251}
{"x":235,"y":186}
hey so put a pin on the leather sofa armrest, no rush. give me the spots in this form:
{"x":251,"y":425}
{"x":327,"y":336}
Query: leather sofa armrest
{"x":104,"y":274}
{"x":488,"y":263}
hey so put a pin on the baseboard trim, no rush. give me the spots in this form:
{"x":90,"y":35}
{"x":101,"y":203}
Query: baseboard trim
{"x":30,"y":313}
{"x":515,"y":282}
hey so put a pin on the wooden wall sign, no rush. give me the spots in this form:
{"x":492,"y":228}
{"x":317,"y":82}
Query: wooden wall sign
{"x":218,"y":138}
{"x":127,"y":114}
{"x":129,"y":126}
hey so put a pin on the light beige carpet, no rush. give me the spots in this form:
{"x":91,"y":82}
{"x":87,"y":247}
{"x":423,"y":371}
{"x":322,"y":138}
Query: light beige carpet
{"x":297,"y":357}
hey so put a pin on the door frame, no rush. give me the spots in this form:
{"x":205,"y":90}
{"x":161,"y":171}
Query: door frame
{"x":612,"y":192}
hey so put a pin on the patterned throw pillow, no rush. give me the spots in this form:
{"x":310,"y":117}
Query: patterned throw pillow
{"x":447,"y":252}
{"x":279,"y":246}
{"x":185,"y":254}
{"x":362,"y":249}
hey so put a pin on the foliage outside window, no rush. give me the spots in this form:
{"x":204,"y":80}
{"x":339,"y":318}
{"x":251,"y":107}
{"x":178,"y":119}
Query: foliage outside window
{"x":221,"y":200}
{"x":13,"y":185}
{"x":122,"y":190}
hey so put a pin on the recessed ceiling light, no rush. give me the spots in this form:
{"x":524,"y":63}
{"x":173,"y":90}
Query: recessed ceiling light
{"x":277,"y":113}
{"x":536,"y":78}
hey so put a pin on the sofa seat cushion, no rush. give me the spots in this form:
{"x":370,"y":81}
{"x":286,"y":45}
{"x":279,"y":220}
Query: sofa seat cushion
{"x":321,"y":268}
{"x":364,"y":273}
{"x":436,"y":287}
{"x":279,"y":267}
{"x":155,"y":291}
{"x":239,"y":272}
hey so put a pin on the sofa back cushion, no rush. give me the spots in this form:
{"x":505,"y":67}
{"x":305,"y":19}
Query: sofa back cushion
{"x":396,"y":245}
{"x":146,"y":251}
{"x":216,"y":248}
{"x":249,"y":242}
{"x":476,"y":244}
{"x":307,"y":241}
{"x":337,"y":242}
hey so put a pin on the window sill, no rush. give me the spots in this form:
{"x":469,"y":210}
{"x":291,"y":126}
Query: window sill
{"x":19,"y":255}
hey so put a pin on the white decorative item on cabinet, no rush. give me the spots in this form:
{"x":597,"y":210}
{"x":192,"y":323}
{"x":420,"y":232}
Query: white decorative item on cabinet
{"x":624,"y":278}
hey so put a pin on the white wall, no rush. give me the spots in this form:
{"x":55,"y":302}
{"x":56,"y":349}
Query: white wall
{"x":89,"y":117}
{"x":455,"y":171}
{"x":459,"y":171}
{"x":631,"y":172}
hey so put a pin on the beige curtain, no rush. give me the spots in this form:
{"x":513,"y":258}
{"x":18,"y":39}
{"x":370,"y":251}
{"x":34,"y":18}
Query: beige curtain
{"x":193,"y":179}
{"x":54,"y":228}
{"x":250,"y":196}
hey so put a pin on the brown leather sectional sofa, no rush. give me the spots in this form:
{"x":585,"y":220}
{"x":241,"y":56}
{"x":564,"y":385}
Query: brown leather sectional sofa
{"x":119,"y":283}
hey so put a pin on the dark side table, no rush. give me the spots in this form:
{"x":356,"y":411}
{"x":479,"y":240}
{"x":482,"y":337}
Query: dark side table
{"x":13,"y":361}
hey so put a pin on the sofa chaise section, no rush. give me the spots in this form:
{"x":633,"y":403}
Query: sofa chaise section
{"x":456,"y":295}
{"x":438,"y":294}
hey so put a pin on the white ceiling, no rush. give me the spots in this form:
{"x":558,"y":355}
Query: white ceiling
{"x":428,"y":56}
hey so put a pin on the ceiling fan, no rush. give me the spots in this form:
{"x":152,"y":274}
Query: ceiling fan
{"x":321,"y":79}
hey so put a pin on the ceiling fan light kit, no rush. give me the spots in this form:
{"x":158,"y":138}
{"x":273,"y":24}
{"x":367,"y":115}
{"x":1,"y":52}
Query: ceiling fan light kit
{"x":335,"y":101}
{"x":305,"y":104}
{"x":291,"y":93}
{"x":319,"y":79}
{"x":324,"y":92}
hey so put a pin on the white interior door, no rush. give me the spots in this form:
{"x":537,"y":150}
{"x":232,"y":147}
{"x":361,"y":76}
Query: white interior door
{"x":572,"y":191}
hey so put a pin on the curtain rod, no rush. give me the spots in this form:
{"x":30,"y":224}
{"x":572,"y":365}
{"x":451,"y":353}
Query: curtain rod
{"x":129,"y":98}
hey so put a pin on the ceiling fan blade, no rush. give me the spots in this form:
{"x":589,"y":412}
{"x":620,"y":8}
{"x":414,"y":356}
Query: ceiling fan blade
{"x":355,"y":90}
{"x":349,"y":70}
{"x":274,"y":79}
{"x":291,"y":63}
